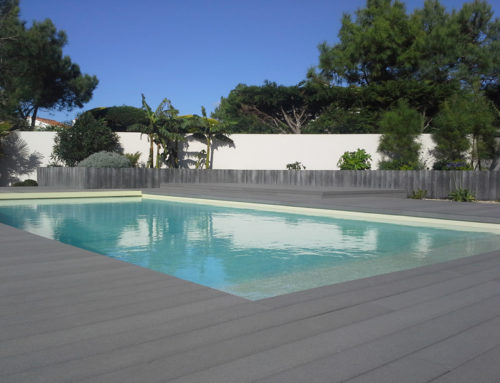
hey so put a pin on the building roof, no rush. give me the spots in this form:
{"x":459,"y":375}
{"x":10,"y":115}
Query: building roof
{"x":49,"y":122}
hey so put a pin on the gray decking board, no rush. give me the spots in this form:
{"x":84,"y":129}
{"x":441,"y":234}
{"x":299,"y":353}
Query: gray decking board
{"x":71,"y":306}
{"x":411,"y":369}
{"x":60,"y":321}
{"x":258,"y":319}
{"x":483,"y":369}
{"x":107,"y":321}
{"x":185,"y":348}
{"x":297,"y":355}
{"x":179,"y":316}
{"x":68,"y":284}
{"x":112,"y":341}
{"x":385,"y":349}
{"x":451,"y":352}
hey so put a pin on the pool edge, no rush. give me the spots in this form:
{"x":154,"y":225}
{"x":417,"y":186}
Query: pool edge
{"x":52,"y":195}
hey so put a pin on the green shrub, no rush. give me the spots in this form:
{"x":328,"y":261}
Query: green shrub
{"x":358,"y":160}
{"x":461,"y":195}
{"x":295,"y":166}
{"x":400,"y":165}
{"x":54,"y":164}
{"x":27,"y":182}
{"x":86,"y":137}
{"x":133,"y":158}
{"x":105,"y":160}
{"x":418,"y":194}
{"x":200,"y":159}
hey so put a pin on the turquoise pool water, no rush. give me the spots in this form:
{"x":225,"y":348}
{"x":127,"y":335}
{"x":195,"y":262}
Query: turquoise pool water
{"x":254,"y":254}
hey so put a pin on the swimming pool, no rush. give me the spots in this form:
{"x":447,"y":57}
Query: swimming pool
{"x":253,"y":251}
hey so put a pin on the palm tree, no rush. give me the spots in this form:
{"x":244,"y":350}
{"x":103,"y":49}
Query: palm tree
{"x":205,"y":130}
{"x":157,"y":127}
{"x":169,"y":136}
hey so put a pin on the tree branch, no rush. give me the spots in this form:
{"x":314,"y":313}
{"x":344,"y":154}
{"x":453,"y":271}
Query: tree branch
{"x":264,"y":117}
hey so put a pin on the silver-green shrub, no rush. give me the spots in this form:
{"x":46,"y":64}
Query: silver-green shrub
{"x":105,"y":160}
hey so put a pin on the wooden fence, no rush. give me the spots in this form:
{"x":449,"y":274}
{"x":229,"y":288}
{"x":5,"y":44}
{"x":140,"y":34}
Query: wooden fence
{"x":98,"y":178}
{"x":485,"y":185}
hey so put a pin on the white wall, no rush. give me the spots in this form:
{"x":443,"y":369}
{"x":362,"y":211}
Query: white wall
{"x":135,"y":142}
{"x":314,"y":151}
{"x":42,"y":143}
{"x":251,"y":151}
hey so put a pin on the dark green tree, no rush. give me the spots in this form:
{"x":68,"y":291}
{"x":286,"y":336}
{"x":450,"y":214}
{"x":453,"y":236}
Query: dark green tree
{"x":51,"y":80}
{"x":229,"y":112}
{"x":373,"y":48}
{"x":385,"y":54}
{"x":10,"y":34}
{"x":452,"y":126}
{"x":401,"y":128}
{"x":478,"y":45}
{"x":87,"y":136}
{"x":423,"y":57}
{"x":346,"y":112}
{"x":35,"y":74}
{"x":120,"y":118}
{"x":271,"y":108}
{"x":466,"y":130}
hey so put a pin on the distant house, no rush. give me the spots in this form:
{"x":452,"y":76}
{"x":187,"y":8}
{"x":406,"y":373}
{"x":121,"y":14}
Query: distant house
{"x":45,"y":123}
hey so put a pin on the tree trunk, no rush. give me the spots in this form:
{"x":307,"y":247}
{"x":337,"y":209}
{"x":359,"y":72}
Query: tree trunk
{"x":151,"y":152}
{"x":475,"y":161}
{"x":33,"y":118}
{"x":207,"y":158}
{"x":157,"y":156}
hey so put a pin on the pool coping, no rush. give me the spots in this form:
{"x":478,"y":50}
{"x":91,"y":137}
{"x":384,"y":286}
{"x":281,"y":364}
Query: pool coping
{"x":72,"y":194}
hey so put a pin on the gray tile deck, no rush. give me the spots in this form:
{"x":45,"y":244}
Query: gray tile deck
{"x":69,"y":315}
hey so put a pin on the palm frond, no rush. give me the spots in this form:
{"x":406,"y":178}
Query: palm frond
{"x":199,"y":137}
{"x":146,"y":107}
{"x":223,"y":139}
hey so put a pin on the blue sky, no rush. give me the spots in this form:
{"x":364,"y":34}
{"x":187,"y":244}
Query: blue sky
{"x":192,"y":51}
